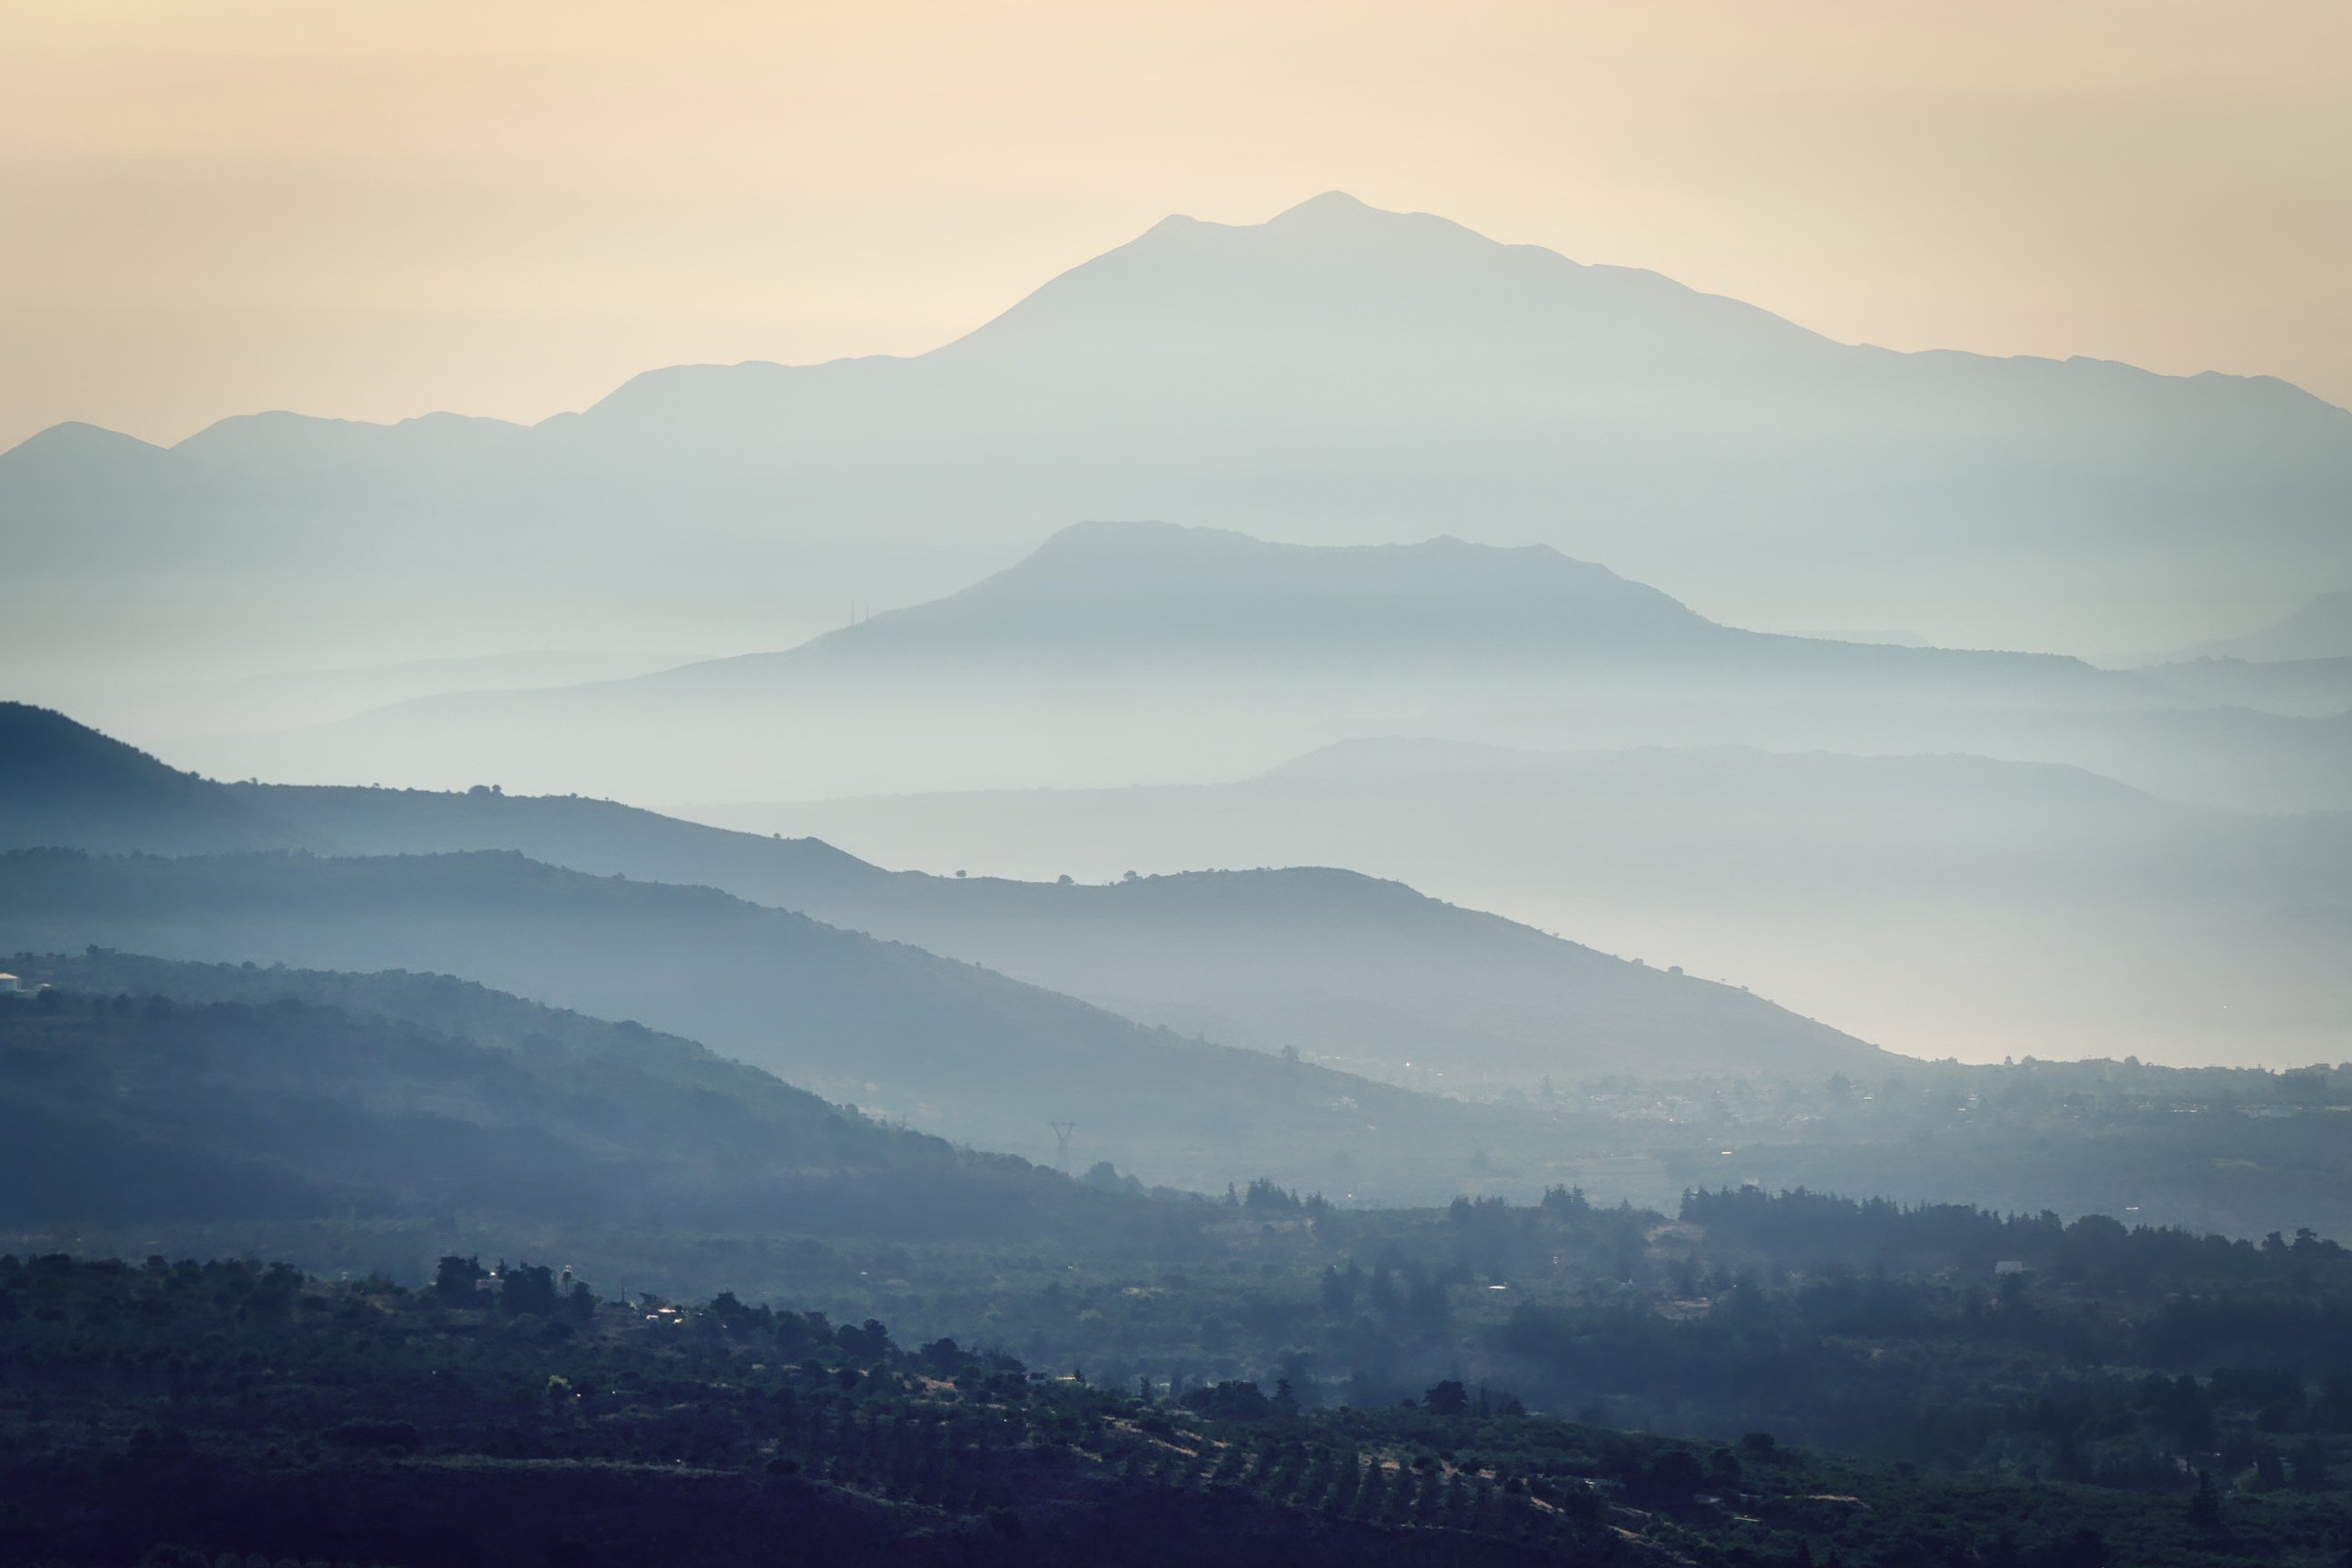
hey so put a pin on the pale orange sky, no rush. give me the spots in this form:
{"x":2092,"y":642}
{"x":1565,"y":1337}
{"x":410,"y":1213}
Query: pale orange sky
{"x":373,"y":210}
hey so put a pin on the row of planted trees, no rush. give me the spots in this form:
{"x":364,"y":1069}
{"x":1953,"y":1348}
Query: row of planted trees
{"x":969,"y":1456}
{"x":1370,"y":1488}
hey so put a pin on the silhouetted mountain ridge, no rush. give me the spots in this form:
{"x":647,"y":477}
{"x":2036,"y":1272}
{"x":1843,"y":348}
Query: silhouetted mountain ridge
{"x":1342,"y":966}
{"x":1336,"y":375}
{"x":223,"y":1093}
{"x":1145,"y":590}
{"x":65,"y":785}
{"x":947,"y":1047}
{"x":1935,"y":903}
{"x":1333,"y":964}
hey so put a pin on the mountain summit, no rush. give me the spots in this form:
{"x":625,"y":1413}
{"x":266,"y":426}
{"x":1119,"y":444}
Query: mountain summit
{"x":1373,"y":289}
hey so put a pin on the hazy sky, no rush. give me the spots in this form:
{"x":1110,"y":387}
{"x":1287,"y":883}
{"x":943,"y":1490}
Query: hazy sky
{"x":374,"y":209}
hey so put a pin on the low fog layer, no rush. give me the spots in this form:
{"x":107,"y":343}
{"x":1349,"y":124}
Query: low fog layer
{"x":1937,"y":904}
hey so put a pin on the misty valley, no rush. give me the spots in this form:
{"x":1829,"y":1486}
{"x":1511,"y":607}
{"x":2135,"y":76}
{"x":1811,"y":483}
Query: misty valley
{"x":1246,"y":916}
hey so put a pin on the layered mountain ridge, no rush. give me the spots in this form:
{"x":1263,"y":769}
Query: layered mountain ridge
{"x":1939,"y":903}
{"x":1338,"y":374}
{"x":1340,"y":967}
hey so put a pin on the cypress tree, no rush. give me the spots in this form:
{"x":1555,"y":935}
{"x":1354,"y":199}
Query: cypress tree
{"x":1348,"y":1475}
{"x":1372,"y":1492}
{"x":1429,"y":1508}
{"x":1230,"y":1463}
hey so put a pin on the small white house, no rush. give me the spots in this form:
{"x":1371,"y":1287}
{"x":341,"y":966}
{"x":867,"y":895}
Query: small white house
{"x":10,"y":986}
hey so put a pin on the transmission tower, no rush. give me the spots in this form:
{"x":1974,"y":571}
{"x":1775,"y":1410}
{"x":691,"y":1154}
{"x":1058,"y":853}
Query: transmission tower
{"x":1062,"y":1130}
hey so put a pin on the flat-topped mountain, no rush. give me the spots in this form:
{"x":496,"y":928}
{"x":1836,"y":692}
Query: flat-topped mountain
{"x":1120,"y":654}
{"x":1149,"y":591}
{"x":1338,"y":374}
{"x":1168,"y":598}
{"x":1141,"y":652}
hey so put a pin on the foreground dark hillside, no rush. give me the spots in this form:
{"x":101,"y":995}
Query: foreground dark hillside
{"x":61,"y":784}
{"x":276,"y":1095}
{"x":947,"y":1047}
{"x":2240,"y":1151}
{"x":368,"y":1124}
{"x":172,"y":1415}
{"x":578,"y":1435}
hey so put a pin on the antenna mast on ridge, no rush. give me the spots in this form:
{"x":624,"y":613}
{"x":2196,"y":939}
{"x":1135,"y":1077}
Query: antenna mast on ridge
{"x":1062,"y":1130}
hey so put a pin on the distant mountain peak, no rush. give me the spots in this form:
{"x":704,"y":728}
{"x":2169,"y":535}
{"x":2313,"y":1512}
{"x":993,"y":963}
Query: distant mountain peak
{"x":1337,"y":372}
{"x":1330,"y":208}
{"x":1334,"y":213}
{"x":75,"y":441}
{"x":1331,"y":201}
{"x":1335,"y":280}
